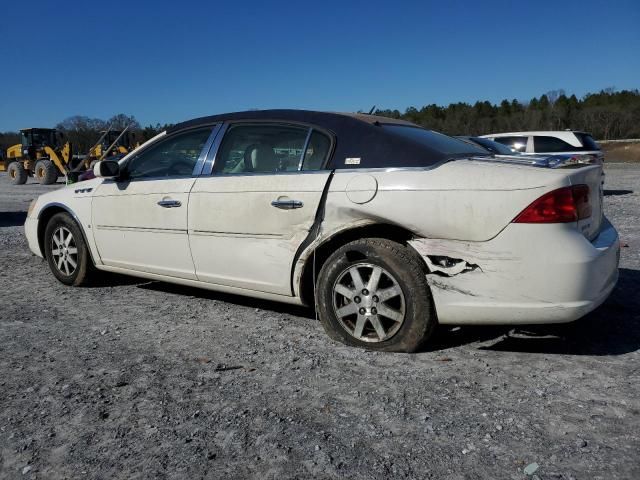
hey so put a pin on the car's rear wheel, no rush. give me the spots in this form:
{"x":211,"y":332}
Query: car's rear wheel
{"x":67,"y":252}
{"x":17,"y":173}
{"x":373,"y":293}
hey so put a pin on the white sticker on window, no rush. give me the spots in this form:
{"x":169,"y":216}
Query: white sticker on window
{"x":352,"y":161}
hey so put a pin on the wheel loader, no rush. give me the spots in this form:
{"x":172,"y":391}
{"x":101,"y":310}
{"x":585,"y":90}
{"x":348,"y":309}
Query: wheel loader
{"x":42,"y":153}
{"x":112,"y":144}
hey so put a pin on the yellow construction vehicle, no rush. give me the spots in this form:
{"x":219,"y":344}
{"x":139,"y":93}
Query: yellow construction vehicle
{"x":112,"y":144}
{"x":42,"y":153}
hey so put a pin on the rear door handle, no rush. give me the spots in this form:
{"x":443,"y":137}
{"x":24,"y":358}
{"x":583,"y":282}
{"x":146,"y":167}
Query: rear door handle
{"x":287,"y":204}
{"x":170,"y":203}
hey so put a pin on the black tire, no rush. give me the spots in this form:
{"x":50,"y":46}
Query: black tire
{"x":17,"y":173}
{"x":84,"y":271}
{"x":401,"y":267}
{"x":46,"y":172}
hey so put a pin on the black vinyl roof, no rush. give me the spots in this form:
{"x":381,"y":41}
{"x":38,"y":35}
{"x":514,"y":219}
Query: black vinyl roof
{"x":356,"y":136}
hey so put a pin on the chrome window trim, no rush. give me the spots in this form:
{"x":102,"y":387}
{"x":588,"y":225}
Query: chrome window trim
{"x":385,"y":169}
{"x":304,"y":149}
{"x":254,"y":174}
{"x":197,"y":169}
{"x":212,"y":154}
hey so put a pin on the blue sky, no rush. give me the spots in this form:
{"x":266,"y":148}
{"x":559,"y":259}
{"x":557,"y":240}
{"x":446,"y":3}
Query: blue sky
{"x":170,"y":61}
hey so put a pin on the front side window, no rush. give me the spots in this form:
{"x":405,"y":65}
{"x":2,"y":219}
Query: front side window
{"x":265,"y":148}
{"x":519,"y":144}
{"x":175,"y":156}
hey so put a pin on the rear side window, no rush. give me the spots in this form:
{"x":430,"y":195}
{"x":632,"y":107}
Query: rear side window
{"x":519,"y":144}
{"x":436,"y":141}
{"x":587,"y":140}
{"x":264,"y":148}
{"x":317,"y":151}
{"x":544,"y":144}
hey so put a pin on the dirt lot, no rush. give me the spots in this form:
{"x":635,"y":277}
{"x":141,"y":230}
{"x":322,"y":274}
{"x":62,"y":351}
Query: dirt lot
{"x":137,"y":379}
{"x":622,"y":151}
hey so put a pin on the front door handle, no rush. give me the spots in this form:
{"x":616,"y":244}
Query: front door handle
{"x":170,"y":203}
{"x":287,"y":204}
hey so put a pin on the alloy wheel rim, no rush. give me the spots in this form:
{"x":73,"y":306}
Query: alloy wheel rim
{"x":368,"y":302}
{"x":64,"y":251}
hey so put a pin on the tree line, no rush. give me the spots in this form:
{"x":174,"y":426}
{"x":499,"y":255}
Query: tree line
{"x":608,"y":114}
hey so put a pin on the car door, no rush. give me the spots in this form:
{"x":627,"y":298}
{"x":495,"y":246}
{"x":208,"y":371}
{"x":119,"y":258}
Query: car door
{"x":140,"y":220}
{"x":249,"y":217}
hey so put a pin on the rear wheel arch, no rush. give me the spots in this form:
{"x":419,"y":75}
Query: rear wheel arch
{"x":323,"y":251}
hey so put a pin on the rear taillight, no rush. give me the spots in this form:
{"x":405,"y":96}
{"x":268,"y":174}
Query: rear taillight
{"x":567,"y":204}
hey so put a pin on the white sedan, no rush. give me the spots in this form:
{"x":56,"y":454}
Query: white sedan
{"x":388,"y":228}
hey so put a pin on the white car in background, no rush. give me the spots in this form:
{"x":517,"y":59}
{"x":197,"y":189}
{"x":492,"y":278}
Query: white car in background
{"x":549,"y":142}
{"x":388,"y":228}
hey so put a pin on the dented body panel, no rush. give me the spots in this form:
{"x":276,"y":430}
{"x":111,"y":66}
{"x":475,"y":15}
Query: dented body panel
{"x":462,"y":200}
{"x":528,"y":274}
{"x":238,"y":238}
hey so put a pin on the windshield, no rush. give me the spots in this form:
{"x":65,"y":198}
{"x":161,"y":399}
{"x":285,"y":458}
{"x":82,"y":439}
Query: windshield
{"x":493,"y":147}
{"x":436,"y":141}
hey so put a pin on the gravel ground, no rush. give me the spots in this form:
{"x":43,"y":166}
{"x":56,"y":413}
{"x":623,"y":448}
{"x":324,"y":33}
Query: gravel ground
{"x":137,"y":379}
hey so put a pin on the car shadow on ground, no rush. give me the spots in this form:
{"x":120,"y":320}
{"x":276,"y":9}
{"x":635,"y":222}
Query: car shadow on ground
{"x":612,"y":329}
{"x":230,"y":298}
{"x":12,"y":219}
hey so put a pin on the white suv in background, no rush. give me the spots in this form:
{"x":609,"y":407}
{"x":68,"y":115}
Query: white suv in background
{"x":549,"y":142}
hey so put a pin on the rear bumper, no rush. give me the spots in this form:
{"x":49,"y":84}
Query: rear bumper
{"x":526,"y":275}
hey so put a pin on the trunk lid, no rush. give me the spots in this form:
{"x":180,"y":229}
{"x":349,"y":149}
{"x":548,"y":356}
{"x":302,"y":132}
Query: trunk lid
{"x":581,"y":169}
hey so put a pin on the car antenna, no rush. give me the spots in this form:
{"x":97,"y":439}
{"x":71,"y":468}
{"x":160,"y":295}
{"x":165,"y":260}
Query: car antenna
{"x":373,"y":109}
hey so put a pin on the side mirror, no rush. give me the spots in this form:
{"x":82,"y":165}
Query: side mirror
{"x":106,"y":169}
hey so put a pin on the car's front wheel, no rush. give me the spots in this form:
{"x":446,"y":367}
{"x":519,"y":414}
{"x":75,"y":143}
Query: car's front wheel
{"x":46,"y":172}
{"x":373,"y":293}
{"x":66,"y":251}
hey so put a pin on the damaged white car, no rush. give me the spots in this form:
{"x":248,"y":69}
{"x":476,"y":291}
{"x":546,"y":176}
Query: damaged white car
{"x":387,"y":227}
